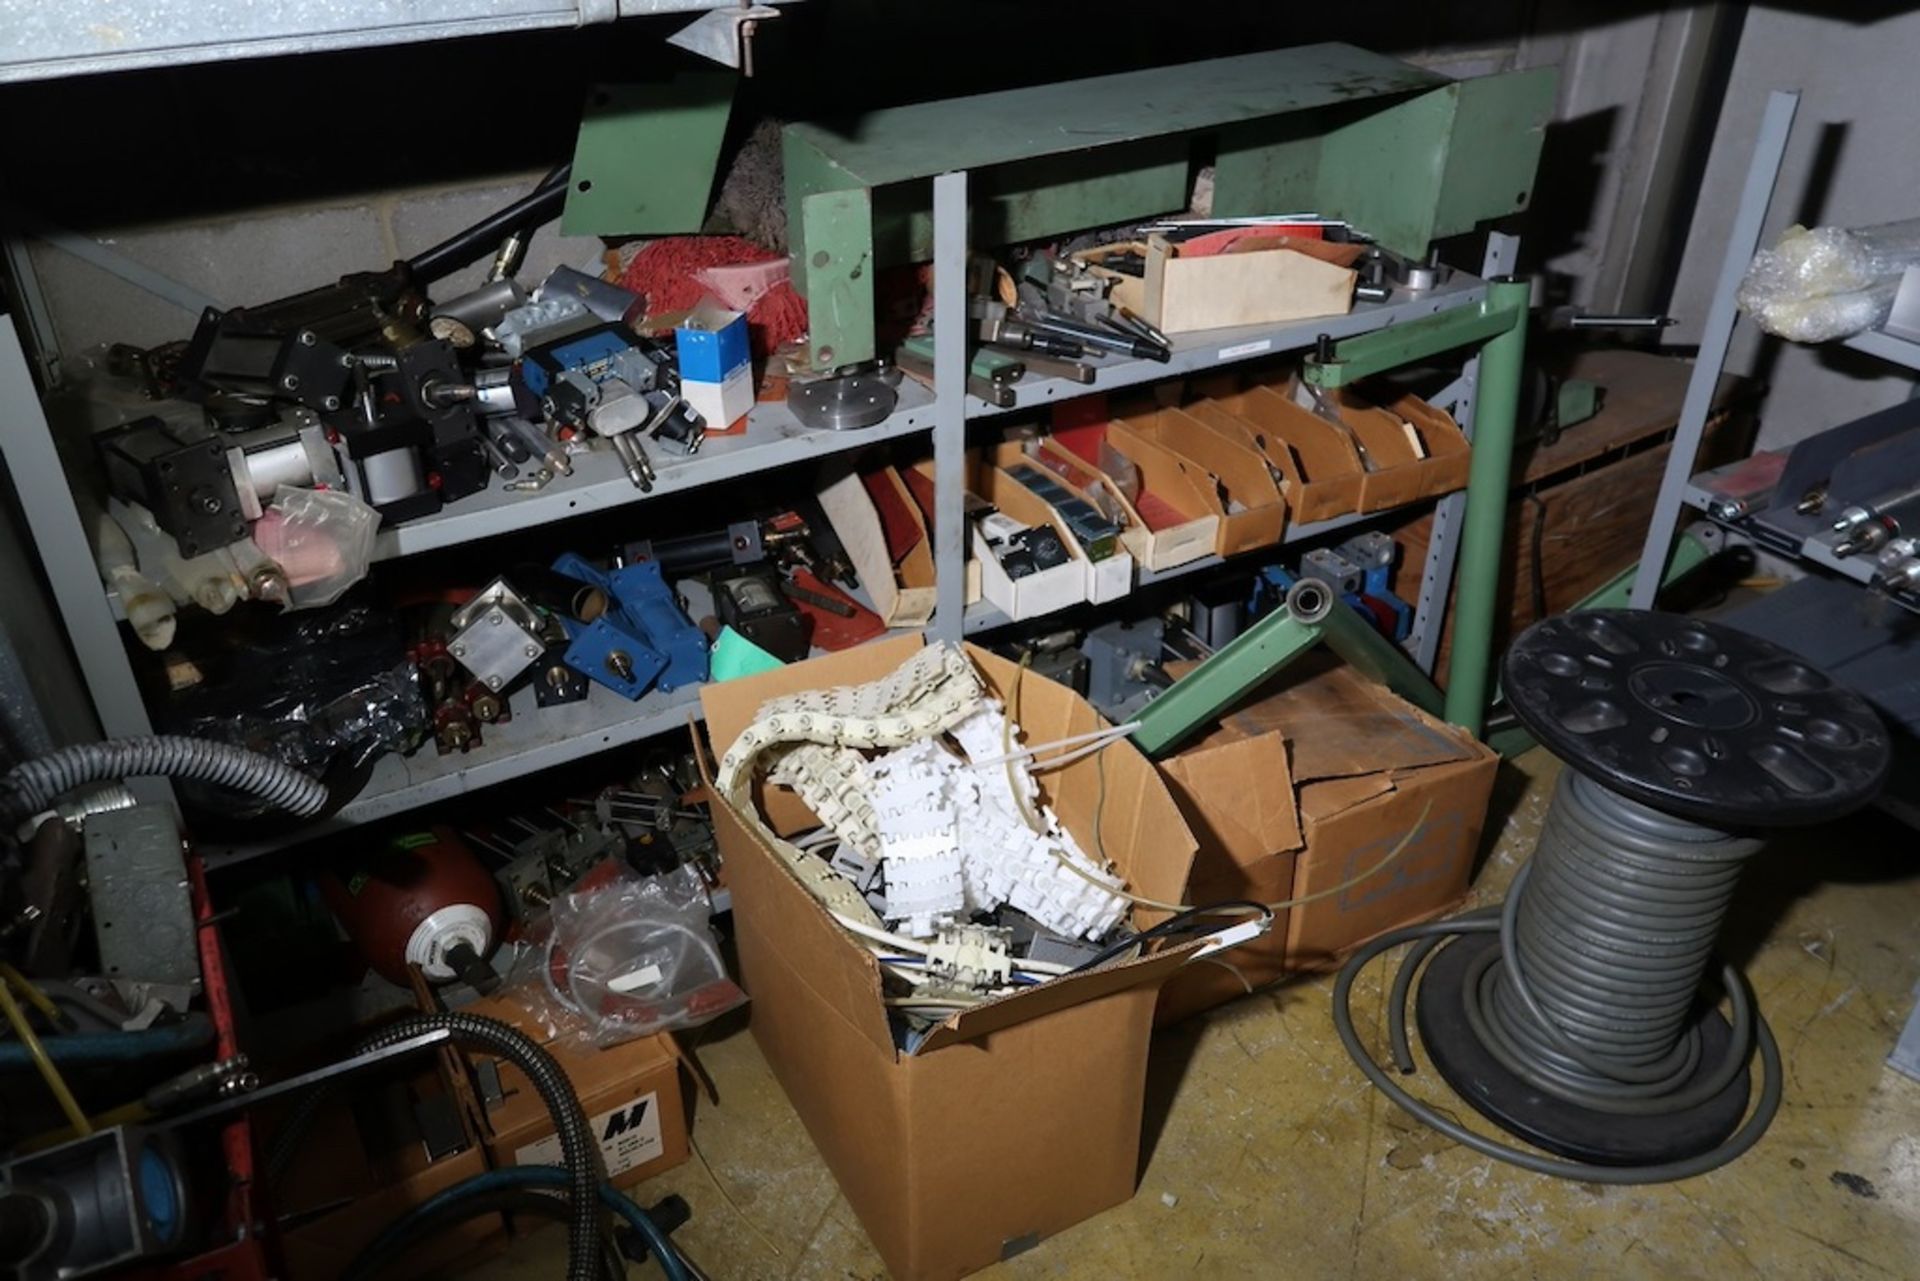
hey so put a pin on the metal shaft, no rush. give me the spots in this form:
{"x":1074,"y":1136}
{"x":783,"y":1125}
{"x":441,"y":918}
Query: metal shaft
{"x":1495,"y":408}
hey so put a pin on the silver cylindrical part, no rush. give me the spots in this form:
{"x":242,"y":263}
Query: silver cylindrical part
{"x":392,"y":476}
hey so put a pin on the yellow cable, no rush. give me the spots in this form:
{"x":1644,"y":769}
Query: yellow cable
{"x":51,"y":1074}
{"x":40,"y":1000}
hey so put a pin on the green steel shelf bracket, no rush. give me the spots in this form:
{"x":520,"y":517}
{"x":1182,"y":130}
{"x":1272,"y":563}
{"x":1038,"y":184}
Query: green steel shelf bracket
{"x":1399,"y":345}
{"x":1309,"y":617}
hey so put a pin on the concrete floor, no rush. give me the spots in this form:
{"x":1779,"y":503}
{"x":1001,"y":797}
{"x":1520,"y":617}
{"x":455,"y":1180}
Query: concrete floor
{"x":1271,"y":1156}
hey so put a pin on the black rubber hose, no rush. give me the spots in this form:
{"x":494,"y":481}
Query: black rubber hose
{"x":540,"y":205}
{"x":34,"y":785}
{"x":578,"y":1151}
{"x":517,"y":1201}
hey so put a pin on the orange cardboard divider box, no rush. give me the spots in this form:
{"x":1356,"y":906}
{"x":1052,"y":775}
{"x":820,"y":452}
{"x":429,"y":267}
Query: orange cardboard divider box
{"x":1322,"y":467}
{"x":1241,"y":490}
{"x":1307,"y":785}
{"x":1014,"y":1119}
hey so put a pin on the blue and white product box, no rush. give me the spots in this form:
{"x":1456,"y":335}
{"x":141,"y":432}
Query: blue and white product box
{"x":716,"y":364}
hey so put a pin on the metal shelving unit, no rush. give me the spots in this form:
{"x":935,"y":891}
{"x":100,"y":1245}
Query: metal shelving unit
{"x":538,"y":738}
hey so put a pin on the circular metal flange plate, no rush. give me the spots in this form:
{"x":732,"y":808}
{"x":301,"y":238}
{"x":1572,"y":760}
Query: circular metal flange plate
{"x":842,"y":404}
{"x":1599,"y":1138}
{"x":1696,"y":719}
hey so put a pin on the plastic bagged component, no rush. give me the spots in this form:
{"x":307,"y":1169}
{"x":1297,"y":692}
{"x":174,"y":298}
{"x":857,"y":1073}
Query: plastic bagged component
{"x":324,"y":691}
{"x":1823,"y":283}
{"x":322,"y":540}
{"x":634,"y":957}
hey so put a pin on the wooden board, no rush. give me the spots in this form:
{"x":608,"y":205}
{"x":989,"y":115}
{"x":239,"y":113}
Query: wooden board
{"x":1589,"y":521}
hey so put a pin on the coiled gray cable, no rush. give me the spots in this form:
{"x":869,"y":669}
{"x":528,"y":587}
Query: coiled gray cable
{"x":34,"y":785}
{"x":1604,"y":938}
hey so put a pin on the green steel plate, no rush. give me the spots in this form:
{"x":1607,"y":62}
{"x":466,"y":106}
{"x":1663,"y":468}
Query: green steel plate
{"x":644,"y":161}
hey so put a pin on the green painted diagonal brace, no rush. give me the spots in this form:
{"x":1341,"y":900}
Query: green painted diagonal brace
{"x":1401,"y":345}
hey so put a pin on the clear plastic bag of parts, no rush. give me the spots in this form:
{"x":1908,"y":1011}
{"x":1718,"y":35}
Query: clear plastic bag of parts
{"x":627,"y":959}
{"x":1818,"y":284}
{"x":322,"y":540}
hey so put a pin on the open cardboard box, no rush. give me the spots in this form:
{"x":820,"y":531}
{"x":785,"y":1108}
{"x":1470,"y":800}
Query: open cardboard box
{"x":1304,"y":786}
{"x":1242,"y":493}
{"x":918,"y":476}
{"x":1108,"y":578}
{"x":1014,"y":1119}
{"x":1045,"y":590}
{"x":1322,"y":467}
{"x":903,"y":592}
{"x":1417,"y":450}
{"x":1257,"y":283}
{"x":359,"y":1168}
{"x":1169,"y":522}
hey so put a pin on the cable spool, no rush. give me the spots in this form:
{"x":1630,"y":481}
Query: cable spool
{"x":1571,"y":1015}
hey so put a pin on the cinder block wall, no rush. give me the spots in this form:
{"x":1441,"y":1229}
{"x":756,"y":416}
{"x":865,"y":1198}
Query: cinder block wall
{"x":258,"y":255}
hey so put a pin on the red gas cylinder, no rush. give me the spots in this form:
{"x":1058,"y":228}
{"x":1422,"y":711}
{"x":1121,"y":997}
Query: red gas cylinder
{"x":424,"y":899}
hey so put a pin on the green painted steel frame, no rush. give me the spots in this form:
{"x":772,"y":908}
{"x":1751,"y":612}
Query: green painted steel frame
{"x":1402,"y":152}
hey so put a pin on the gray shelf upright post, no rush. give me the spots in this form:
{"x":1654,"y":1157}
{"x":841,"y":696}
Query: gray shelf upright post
{"x":1715,"y":338}
{"x":950,"y":404}
{"x":65,"y":551}
{"x":1443,"y":547}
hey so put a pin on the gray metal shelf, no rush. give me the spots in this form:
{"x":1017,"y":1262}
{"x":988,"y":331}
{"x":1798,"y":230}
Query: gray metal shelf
{"x":983,"y":615}
{"x":46,"y":40}
{"x":773,"y":438}
{"x":536,"y":738}
{"x":1220,"y":348}
{"x":1888,"y":347}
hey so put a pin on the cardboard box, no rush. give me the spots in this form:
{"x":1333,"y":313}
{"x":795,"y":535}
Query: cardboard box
{"x":1304,"y":787}
{"x":1322,"y":467}
{"x":360,"y":1167}
{"x":1241,"y":489}
{"x":716,"y":364}
{"x":1255,"y":284}
{"x":1013,"y":1120}
{"x":1173,"y":487}
{"x":902,"y":590}
{"x":1043,"y":591}
{"x":920,"y":483}
{"x":1175,"y":541}
{"x":634,"y":1096}
{"x":1416,"y":450}
{"x":1108,"y":578}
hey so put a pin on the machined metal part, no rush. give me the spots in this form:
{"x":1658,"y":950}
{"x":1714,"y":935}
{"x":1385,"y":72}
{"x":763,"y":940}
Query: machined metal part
{"x":461,"y":321}
{"x":294,"y":454}
{"x":96,"y":1204}
{"x":142,"y":906}
{"x":497,"y":636}
{"x":842,"y":404}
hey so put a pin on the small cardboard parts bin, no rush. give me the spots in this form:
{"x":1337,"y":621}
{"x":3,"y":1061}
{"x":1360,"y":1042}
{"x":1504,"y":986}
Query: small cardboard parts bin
{"x":1241,"y":489}
{"x":896,"y":572}
{"x":1256,"y":282}
{"x":1322,"y":468}
{"x":1109,"y":578}
{"x":1169,"y":522}
{"x":1303,"y":787}
{"x":1015,"y":1119}
{"x":1045,"y":590}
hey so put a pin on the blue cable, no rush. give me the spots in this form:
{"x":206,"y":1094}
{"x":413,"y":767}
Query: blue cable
{"x":537,"y":1176}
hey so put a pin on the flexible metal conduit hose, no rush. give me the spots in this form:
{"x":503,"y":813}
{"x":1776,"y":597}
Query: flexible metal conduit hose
{"x":34,"y":785}
{"x":579,"y":1153}
{"x":1604,"y":938}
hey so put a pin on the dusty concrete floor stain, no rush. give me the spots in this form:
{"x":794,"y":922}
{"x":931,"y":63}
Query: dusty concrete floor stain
{"x":1270,"y":1156}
